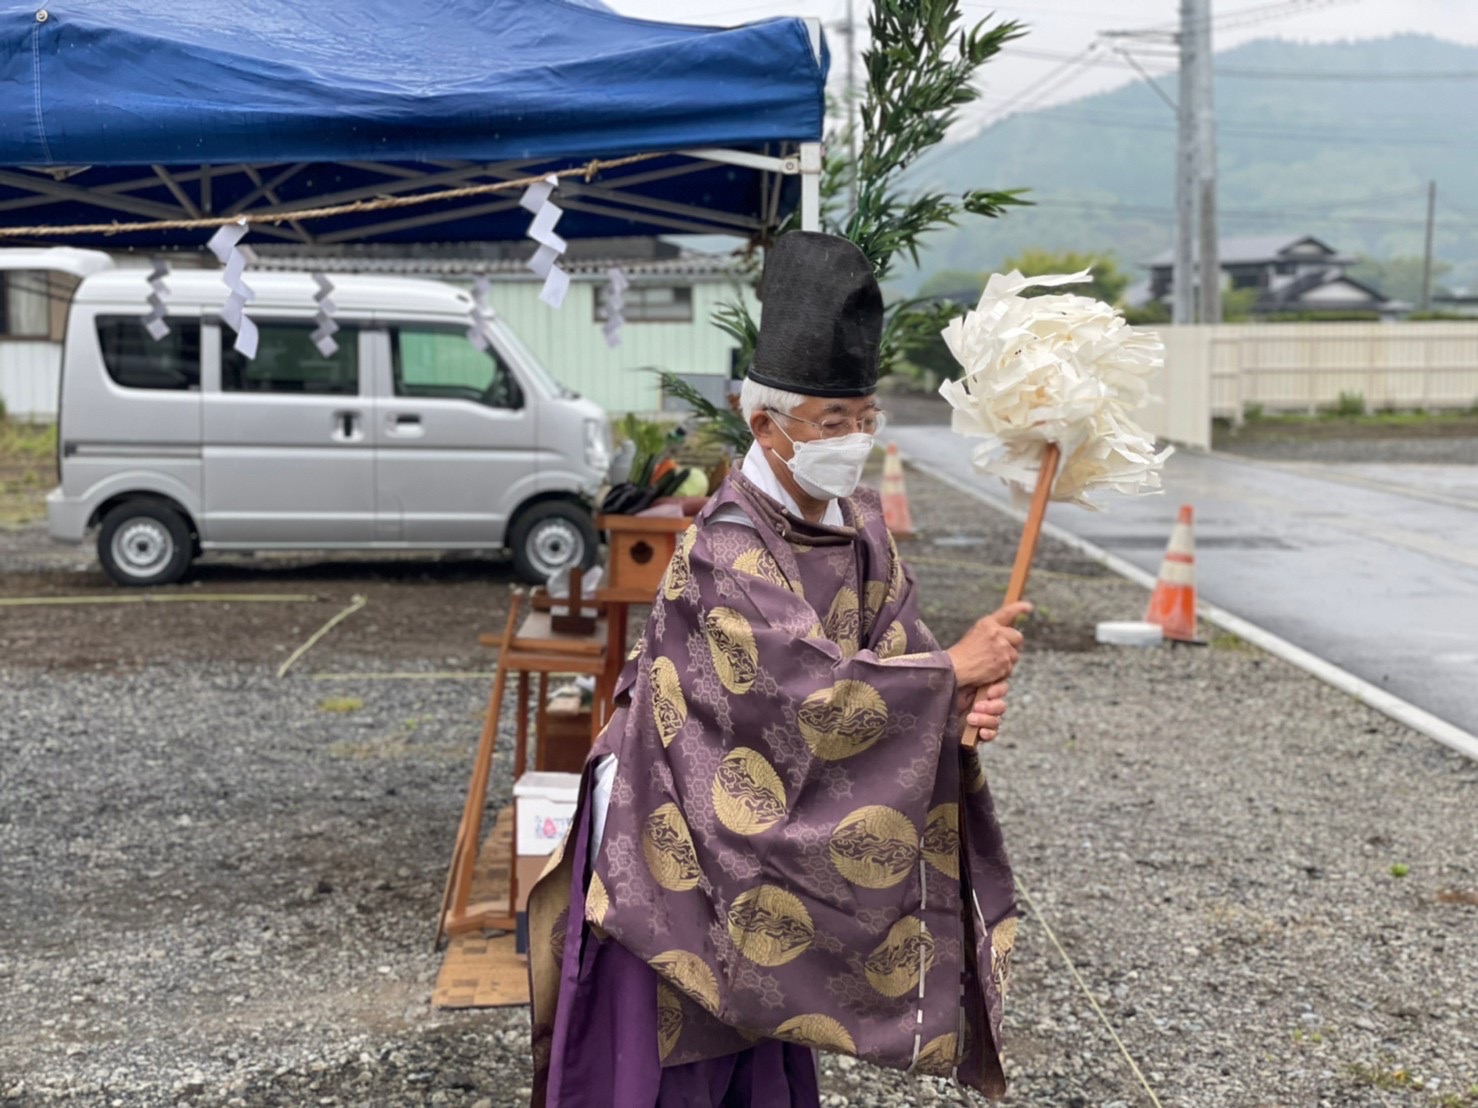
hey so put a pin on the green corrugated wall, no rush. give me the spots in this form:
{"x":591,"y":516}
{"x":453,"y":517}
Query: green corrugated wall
{"x":569,"y":341}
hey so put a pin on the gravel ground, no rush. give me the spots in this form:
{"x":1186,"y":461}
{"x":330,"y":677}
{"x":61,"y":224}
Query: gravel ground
{"x":219,"y":888}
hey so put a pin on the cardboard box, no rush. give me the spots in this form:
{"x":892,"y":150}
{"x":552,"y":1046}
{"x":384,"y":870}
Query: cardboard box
{"x":528,"y":870}
{"x":543,"y":807}
{"x":562,"y":741}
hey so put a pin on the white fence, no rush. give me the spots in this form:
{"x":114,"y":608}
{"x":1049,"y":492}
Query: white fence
{"x":30,"y":378}
{"x":1301,"y":367}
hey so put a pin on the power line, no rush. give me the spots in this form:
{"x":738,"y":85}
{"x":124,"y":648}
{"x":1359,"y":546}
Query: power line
{"x":1352,"y":75}
{"x":1263,"y":74}
{"x":1031,"y":9}
{"x":1053,"y":81}
{"x":1268,"y":13}
{"x":1236,"y":214}
{"x":1466,"y":212}
{"x":1244,"y":17}
{"x":1250,"y":130}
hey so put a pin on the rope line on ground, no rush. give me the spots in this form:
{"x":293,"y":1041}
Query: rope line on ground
{"x":200,"y":598}
{"x":379,"y":203}
{"x":1092,"y":1000}
{"x":449,"y":675}
{"x":358,"y":603}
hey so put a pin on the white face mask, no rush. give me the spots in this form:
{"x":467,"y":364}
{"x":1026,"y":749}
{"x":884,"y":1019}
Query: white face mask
{"x":829,"y":469}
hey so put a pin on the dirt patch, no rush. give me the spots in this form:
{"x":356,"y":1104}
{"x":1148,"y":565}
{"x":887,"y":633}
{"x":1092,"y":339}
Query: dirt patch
{"x":429,"y":611}
{"x":421,"y":610}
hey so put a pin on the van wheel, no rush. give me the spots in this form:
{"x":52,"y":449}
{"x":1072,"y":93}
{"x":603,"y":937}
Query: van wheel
{"x":550,"y":537}
{"x":144,"y":542}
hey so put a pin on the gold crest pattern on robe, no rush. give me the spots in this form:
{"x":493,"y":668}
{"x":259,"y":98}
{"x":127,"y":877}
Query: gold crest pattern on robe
{"x":796,"y":841}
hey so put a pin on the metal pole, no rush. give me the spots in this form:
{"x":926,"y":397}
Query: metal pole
{"x":1183,"y":272}
{"x":851,"y":95}
{"x":1209,"y":261}
{"x":811,"y":155}
{"x":1426,"y":305}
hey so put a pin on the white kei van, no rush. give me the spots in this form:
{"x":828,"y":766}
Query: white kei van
{"x":408,"y":437}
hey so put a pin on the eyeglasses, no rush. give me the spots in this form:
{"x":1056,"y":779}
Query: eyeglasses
{"x":869,"y":422}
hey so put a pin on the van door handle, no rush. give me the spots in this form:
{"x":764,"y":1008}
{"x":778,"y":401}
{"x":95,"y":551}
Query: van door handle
{"x":346,"y":426}
{"x":406,"y":425}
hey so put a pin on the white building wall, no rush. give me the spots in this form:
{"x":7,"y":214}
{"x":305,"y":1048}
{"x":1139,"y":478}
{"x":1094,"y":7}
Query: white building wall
{"x":30,"y":378}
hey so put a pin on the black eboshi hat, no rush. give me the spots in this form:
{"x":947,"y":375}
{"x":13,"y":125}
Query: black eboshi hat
{"x":821,"y":320}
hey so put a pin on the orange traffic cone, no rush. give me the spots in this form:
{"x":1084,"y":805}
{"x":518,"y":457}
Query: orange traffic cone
{"x":1173,"y":603}
{"x":895,"y":496}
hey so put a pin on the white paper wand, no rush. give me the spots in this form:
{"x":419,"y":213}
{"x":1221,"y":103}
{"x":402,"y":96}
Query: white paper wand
{"x":1048,"y":385}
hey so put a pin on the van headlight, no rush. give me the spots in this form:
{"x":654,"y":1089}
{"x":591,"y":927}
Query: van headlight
{"x":597,"y":445}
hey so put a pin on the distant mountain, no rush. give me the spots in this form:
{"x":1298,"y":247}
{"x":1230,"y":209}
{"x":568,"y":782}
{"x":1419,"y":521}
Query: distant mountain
{"x":1299,"y":153}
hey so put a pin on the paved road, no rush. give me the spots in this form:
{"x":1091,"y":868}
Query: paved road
{"x":1371,"y":567}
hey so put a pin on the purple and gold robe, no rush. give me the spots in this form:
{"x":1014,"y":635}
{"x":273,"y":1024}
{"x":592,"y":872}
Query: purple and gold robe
{"x":796,"y":842}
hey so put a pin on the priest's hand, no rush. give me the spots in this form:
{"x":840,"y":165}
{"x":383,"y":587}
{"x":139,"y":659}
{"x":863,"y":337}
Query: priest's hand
{"x":984,"y":708}
{"x":988,"y":651}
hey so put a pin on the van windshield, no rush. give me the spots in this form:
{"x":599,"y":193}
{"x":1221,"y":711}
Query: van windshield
{"x":535,"y":368}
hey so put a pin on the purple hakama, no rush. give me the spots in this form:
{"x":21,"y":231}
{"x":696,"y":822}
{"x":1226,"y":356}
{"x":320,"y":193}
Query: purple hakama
{"x":604,"y":1052}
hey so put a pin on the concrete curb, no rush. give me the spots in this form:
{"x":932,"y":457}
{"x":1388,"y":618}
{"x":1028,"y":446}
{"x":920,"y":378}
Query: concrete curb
{"x":1372,"y":696}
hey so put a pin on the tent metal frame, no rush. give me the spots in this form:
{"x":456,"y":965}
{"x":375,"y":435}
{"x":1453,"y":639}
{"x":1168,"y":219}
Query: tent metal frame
{"x":192,"y":189}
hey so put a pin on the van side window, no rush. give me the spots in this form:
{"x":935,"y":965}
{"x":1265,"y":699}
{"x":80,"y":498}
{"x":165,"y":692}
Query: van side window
{"x":287,"y":361}
{"x":136,"y":361}
{"x":439,"y":363}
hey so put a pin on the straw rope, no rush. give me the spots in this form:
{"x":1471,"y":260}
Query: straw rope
{"x":379,"y":203}
{"x":358,"y":603}
{"x":1087,"y":992}
{"x":157,"y":598}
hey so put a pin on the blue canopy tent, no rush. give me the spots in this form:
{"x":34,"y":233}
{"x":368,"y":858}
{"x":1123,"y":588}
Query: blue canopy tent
{"x":130,"y":110}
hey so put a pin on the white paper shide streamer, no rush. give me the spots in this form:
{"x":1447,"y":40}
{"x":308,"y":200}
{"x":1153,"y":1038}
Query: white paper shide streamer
{"x":545,"y":262}
{"x":480,"y":317}
{"x":323,"y":334}
{"x":615,"y":305}
{"x":224,"y":245}
{"x":158,"y":290}
{"x":1058,"y":368}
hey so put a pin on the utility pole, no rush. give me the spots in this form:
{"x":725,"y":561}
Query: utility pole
{"x":850,"y":34}
{"x":1426,"y":304}
{"x":1183,"y":273}
{"x":1196,"y":276}
{"x":1208,"y":261}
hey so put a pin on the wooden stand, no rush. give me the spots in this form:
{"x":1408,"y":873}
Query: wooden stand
{"x":537,"y":647}
{"x":1026,"y":550}
{"x":640,"y":549}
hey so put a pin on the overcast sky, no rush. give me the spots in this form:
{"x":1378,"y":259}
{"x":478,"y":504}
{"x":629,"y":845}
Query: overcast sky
{"x":1067,"y":27}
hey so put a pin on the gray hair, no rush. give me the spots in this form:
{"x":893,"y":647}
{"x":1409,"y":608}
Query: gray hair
{"x":755,"y":397}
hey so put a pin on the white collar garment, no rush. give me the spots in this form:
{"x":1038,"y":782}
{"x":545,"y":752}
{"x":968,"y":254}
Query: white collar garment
{"x":756,"y":467}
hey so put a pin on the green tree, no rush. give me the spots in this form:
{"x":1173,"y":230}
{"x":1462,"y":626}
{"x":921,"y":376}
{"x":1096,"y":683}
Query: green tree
{"x":1108,"y":284}
{"x":922,"y":67}
{"x":1399,"y":278}
{"x":1236,"y":305}
{"x":1152,"y":314}
{"x":953,"y":283}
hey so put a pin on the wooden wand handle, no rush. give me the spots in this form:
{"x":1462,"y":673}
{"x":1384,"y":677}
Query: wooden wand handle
{"x":1026,"y":550}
